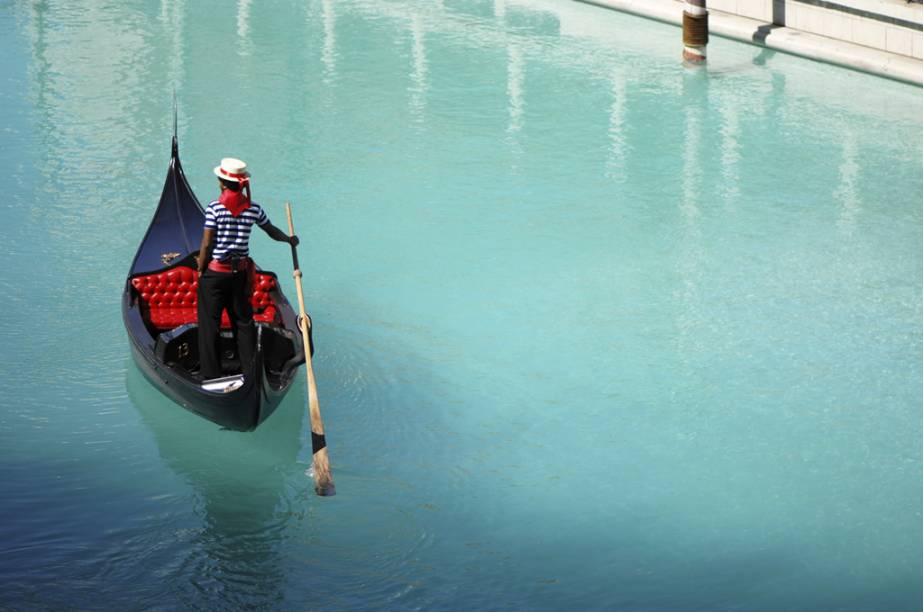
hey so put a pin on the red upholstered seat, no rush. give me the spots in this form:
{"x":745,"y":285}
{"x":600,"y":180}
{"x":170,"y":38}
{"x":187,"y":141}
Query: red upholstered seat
{"x":170,"y":297}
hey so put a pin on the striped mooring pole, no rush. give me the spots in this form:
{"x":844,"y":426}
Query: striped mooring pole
{"x":695,"y":31}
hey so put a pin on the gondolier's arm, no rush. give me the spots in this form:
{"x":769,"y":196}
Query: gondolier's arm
{"x":205,"y":251}
{"x":278,"y":235}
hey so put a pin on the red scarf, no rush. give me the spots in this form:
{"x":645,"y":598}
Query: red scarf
{"x":235,"y":201}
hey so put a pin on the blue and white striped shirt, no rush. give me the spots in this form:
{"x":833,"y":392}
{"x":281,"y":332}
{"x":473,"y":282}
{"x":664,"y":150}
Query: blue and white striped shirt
{"x":232,"y":234}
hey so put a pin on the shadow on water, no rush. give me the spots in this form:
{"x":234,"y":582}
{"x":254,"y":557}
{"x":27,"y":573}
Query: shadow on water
{"x":231,"y":557}
{"x":765,"y":55}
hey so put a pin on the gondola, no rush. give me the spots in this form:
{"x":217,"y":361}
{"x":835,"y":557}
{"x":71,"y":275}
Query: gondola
{"x":159,"y":312}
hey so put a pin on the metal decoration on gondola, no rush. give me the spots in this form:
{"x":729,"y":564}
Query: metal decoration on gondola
{"x":167,"y":258}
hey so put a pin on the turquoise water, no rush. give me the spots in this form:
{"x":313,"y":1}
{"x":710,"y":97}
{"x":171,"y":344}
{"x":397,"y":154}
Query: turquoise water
{"x":593,"y":331}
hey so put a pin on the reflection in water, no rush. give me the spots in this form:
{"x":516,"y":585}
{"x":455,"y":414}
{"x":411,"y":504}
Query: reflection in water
{"x":39,"y":66}
{"x":847,"y":190}
{"x":730,"y":146}
{"x":691,"y":251}
{"x":171,"y":17}
{"x":500,"y":9}
{"x":774,"y":105}
{"x":232,"y":559}
{"x":245,"y":45}
{"x":418,"y":76}
{"x":243,"y":25}
{"x":616,"y":160}
{"x":692,"y":168}
{"x":514,"y":88}
{"x":71,"y":72}
{"x":328,"y":53}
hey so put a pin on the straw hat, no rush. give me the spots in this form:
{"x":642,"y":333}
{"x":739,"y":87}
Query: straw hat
{"x":232,"y":169}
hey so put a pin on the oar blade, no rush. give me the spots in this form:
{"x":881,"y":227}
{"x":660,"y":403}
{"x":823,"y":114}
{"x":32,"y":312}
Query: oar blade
{"x":323,"y":481}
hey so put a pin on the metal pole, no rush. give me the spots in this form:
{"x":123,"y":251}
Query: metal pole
{"x":695,"y":31}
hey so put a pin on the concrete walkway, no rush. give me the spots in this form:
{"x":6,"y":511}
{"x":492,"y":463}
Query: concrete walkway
{"x":813,"y":46}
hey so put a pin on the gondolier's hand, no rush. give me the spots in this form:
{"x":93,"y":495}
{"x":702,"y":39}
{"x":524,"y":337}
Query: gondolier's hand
{"x":293,"y":240}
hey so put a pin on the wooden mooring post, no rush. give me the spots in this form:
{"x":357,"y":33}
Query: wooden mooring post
{"x":695,"y":31}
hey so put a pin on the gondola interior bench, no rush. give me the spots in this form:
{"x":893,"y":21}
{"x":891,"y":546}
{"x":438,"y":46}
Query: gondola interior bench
{"x":168,"y":298}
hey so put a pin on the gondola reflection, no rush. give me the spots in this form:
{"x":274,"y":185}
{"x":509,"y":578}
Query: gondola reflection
{"x":239,"y":482}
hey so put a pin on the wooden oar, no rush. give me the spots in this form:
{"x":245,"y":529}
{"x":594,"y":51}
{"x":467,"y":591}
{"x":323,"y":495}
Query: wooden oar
{"x":323,"y":480}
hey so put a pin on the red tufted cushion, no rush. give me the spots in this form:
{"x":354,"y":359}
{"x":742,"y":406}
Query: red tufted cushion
{"x":170,"y":297}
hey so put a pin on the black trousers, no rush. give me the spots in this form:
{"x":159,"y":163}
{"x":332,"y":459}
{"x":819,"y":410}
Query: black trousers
{"x":218,"y":291}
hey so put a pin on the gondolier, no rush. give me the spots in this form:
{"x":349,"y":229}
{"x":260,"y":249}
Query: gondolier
{"x":225,"y":268}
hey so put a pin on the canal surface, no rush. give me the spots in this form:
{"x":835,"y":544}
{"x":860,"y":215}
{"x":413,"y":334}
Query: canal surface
{"x":593,"y":331}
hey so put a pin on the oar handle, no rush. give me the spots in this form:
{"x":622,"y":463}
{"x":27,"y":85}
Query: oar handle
{"x":323,"y":480}
{"x":291,"y":232}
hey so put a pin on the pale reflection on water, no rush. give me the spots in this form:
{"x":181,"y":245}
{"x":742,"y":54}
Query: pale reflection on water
{"x":418,"y":75}
{"x":329,"y":53}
